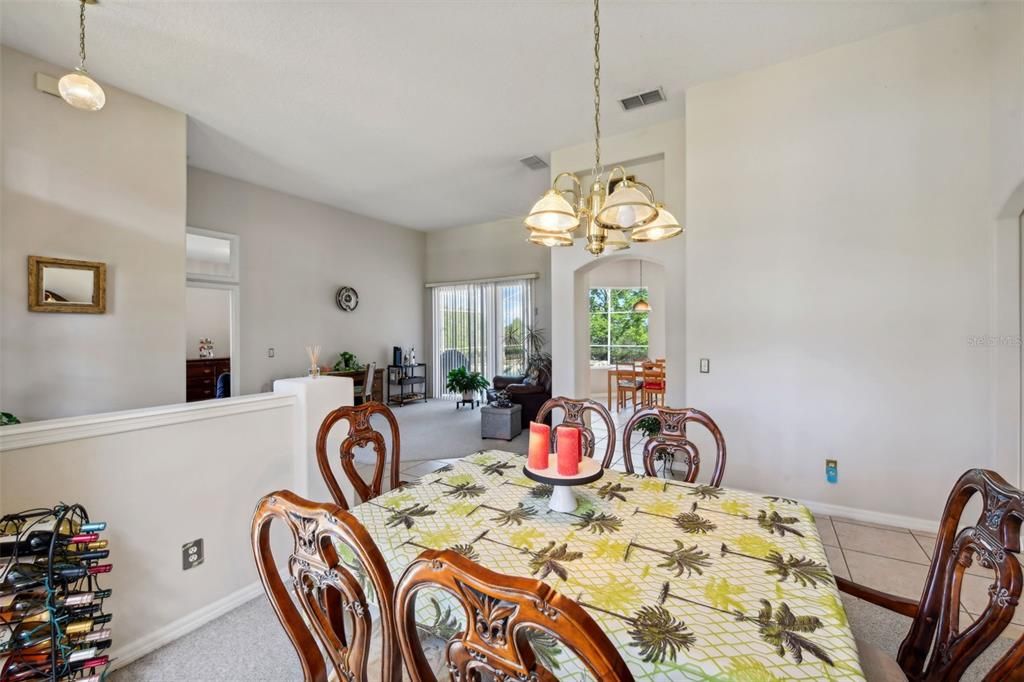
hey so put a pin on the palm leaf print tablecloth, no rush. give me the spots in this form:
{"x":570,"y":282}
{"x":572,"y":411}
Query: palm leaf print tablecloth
{"x":690,"y":582}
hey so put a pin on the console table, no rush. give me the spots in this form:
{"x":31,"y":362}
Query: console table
{"x":358,"y":376}
{"x":407,"y":383}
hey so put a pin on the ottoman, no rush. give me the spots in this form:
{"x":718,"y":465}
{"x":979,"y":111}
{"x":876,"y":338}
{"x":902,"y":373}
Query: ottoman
{"x":501,"y":422}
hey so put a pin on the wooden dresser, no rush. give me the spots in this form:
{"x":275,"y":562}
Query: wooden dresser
{"x":201,"y":377}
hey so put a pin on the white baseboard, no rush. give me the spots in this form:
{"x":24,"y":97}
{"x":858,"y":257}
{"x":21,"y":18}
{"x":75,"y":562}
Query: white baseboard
{"x":132,"y":651}
{"x":867,"y":516}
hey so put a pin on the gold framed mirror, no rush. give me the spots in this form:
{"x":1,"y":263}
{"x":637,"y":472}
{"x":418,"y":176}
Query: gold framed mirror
{"x":59,"y":285}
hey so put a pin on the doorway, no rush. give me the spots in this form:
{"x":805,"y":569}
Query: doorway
{"x":212,"y":316}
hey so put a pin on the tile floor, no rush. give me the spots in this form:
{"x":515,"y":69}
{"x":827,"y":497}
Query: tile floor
{"x":891,"y":559}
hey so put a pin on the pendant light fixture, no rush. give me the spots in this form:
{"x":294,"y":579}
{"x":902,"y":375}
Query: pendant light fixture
{"x":608,"y":219}
{"x":77,"y":88}
{"x":642,"y":306}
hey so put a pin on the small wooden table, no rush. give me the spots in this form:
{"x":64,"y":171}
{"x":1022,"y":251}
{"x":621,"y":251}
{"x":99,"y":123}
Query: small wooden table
{"x":611,"y":373}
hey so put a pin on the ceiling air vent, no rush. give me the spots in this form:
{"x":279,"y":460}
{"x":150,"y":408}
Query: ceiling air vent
{"x":643,"y":99}
{"x":534,"y":162}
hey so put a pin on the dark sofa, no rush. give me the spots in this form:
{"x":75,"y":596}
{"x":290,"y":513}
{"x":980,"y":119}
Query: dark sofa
{"x":530,"y":395}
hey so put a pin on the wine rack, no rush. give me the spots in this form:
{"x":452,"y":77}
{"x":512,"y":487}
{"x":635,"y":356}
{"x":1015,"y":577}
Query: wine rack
{"x":53,"y":624}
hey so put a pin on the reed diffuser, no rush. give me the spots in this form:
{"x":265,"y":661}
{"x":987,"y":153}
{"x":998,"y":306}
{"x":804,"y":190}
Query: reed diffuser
{"x":314,"y":360}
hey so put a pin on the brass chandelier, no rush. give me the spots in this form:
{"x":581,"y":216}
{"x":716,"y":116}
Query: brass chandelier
{"x":611,"y":216}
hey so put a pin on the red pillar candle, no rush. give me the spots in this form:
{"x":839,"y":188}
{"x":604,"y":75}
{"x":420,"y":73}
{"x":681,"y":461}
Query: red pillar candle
{"x":540,"y":446}
{"x":568,"y":451}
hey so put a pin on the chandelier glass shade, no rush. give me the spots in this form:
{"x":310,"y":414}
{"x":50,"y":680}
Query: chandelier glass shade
{"x":78,"y":88}
{"x":543,"y":239}
{"x":552,"y":214}
{"x":610,"y":219}
{"x":662,"y":227}
{"x":627,"y":207}
{"x":80,"y":91}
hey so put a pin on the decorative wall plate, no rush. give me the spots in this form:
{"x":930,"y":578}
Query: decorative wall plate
{"x":347,"y":299}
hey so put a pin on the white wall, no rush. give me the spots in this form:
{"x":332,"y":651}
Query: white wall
{"x":295,"y":254}
{"x":160,"y":478}
{"x":102,"y":186}
{"x":207,"y":315}
{"x":659,"y":149}
{"x":841,"y":257}
{"x":497,"y":249}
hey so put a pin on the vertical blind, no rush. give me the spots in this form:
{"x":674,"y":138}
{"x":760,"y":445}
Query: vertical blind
{"x":480,"y":326}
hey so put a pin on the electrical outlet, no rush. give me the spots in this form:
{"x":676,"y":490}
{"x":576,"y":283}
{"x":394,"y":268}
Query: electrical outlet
{"x":270,"y":352}
{"x":832,"y":470}
{"x":192,"y":554}
{"x":705,"y":366}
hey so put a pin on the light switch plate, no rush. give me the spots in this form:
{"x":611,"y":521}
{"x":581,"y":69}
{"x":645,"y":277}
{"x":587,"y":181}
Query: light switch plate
{"x":705,"y":366}
{"x":270,"y":352}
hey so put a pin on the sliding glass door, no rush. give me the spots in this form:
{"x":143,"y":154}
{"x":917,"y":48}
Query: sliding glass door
{"x":481,"y":326}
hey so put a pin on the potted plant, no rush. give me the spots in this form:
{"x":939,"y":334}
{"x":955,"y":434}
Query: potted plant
{"x":7,"y":418}
{"x":469,"y":384}
{"x":649,"y":426}
{"x":345,"y":361}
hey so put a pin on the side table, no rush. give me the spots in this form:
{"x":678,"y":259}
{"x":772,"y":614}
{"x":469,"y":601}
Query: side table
{"x":501,"y":422}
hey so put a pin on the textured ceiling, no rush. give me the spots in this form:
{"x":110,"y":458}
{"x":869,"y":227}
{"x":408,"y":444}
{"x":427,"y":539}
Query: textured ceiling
{"x":418,"y":112}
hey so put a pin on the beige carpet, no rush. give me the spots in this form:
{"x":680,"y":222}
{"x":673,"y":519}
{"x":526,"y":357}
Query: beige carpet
{"x":437,"y":430}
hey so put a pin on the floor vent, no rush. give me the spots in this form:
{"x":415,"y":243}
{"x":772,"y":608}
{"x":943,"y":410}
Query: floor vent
{"x":643,"y":99}
{"x":534,"y":162}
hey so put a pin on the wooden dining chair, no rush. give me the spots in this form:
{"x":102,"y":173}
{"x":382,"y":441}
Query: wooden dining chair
{"x":652,"y":379}
{"x":500,"y":611}
{"x":360,"y":434}
{"x":575,"y":412}
{"x":936,"y":647}
{"x":327,"y":589}
{"x":671,"y":440}
{"x":364,"y":393}
{"x":628,"y":385}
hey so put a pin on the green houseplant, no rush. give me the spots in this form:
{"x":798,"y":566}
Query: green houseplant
{"x":345,"y":361}
{"x":8,"y":418}
{"x":461,"y":380}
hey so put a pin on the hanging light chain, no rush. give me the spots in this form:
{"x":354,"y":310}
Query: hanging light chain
{"x":81,"y":35}
{"x":597,"y":90}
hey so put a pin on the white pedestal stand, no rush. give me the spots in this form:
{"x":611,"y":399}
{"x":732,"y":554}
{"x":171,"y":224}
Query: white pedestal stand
{"x":562,"y":497}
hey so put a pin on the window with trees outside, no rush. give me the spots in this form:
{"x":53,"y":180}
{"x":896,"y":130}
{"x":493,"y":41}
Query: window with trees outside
{"x":617,"y":334}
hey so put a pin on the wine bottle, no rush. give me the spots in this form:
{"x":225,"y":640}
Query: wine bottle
{"x":21,"y":576}
{"x":20,"y":667}
{"x":83,"y":546}
{"x":83,"y":626}
{"x":38,"y":541}
{"x":100,"y":637}
{"x":24,"y":602}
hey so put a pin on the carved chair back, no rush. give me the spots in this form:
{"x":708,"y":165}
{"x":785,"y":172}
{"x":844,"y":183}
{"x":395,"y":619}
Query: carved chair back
{"x":575,"y":413}
{"x":326,"y":588}
{"x":360,"y":434}
{"x":935,"y":648}
{"x":500,"y":611}
{"x":671,"y":439}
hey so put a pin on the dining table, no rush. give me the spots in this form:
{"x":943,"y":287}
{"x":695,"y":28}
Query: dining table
{"x":689,"y":581}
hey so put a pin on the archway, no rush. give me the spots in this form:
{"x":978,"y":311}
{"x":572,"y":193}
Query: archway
{"x":571,"y":272}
